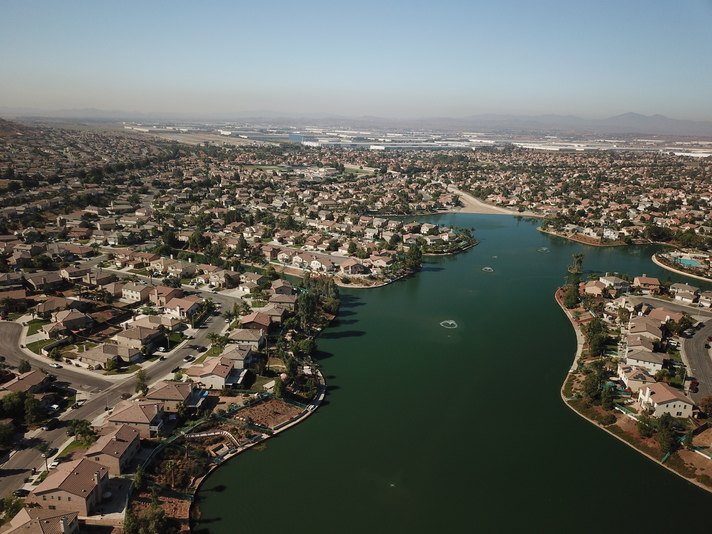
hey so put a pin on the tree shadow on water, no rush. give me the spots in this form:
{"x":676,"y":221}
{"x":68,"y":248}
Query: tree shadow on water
{"x":343,"y":334}
{"x":217,"y":489}
{"x":349,"y":301}
{"x":338,"y":321}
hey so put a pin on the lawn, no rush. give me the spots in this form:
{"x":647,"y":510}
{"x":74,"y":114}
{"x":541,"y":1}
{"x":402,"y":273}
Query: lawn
{"x":74,"y":445}
{"x":36,"y":346}
{"x":35,"y":325}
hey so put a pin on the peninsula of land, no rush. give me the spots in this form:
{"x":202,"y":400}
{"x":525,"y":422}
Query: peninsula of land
{"x":635,"y":386}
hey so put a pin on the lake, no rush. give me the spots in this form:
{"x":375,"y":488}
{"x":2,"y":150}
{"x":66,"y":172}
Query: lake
{"x":427,"y":428}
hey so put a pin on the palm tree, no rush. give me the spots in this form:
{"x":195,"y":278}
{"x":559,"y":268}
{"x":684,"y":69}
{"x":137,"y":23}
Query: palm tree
{"x":43,"y":447}
{"x":229,"y":315}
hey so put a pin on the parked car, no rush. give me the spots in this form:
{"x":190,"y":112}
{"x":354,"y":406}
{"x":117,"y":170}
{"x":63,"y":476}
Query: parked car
{"x":189,"y":358}
{"x":51,"y":424}
{"x":21,"y":493}
{"x":161,"y":349}
{"x":53,"y":465}
{"x":50,"y":452}
{"x":55,"y":365}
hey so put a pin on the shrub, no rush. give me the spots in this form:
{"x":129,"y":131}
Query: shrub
{"x":608,"y":419}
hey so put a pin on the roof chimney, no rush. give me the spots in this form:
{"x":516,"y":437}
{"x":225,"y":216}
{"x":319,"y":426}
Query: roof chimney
{"x":64,"y":522}
{"x":100,"y":492}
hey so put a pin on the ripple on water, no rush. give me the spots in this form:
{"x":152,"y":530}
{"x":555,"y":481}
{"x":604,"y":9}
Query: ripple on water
{"x":448,"y":324}
{"x":488,"y":269}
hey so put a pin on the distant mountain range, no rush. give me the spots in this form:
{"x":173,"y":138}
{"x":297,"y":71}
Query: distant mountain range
{"x":628,"y":123}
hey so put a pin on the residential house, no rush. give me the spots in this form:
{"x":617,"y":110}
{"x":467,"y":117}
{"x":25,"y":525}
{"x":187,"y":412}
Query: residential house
{"x":647,"y":284}
{"x":183,"y":308}
{"x":256,"y":321}
{"x":215,"y":373}
{"x":98,"y":278}
{"x":30,"y":382}
{"x":173,"y":394}
{"x":71,"y":320}
{"x":136,"y":292}
{"x":661,"y":398}
{"x":39,"y":521}
{"x":321,"y":263}
{"x":353,"y":266}
{"x":594,"y":288}
{"x":116,"y":448}
{"x":241,"y":355}
{"x":115,"y":289}
{"x":159,"y":295}
{"x":282,"y":287}
{"x":647,"y":327}
{"x":287,"y":301}
{"x":139,"y":336}
{"x":74,"y":274}
{"x":276,"y":312}
{"x":634,"y":377}
{"x":246,"y":336}
{"x":650,"y":361}
{"x":224,"y":278}
{"x":146,"y":417}
{"x":77,"y":486}
{"x":664,"y":315}
{"x":170,"y":324}
{"x":706,"y":299}
{"x":45,"y":279}
{"x":99,"y":355}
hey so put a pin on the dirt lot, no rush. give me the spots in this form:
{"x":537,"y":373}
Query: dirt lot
{"x":269,"y":413}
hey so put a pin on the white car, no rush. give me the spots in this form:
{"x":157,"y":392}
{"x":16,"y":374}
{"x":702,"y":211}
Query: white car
{"x":55,"y":365}
{"x":53,"y":465}
{"x":161,"y":349}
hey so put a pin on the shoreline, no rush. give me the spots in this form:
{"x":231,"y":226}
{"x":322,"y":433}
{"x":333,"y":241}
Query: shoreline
{"x":579,"y":352}
{"x":660,"y":264}
{"x":310,"y":409}
{"x":583,"y":239}
{"x":473,"y":204}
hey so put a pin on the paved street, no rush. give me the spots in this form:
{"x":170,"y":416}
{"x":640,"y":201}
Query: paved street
{"x":101,"y":392}
{"x":695,"y":355}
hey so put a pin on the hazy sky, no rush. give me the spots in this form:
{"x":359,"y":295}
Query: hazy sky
{"x":392,"y":59}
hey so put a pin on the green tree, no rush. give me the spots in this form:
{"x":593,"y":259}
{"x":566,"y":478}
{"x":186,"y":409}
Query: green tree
{"x":13,"y":404}
{"x":571,"y":297}
{"x":645,"y":426}
{"x":7,"y":431}
{"x":280,"y":389}
{"x":666,"y":433}
{"x":10,"y":506}
{"x":705,"y":404}
{"x":33,"y":410}
{"x":141,"y":382}
{"x":607,"y":399}
{"x":24,"y":367}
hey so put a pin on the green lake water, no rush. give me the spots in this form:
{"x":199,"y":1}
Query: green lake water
{"x":429,"y":429}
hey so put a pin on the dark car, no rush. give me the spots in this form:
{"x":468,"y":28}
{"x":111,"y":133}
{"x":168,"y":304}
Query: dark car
{"x":126,"y":396}
{"x":175,"y":369}
{"x":51,"y":424}
{"x":21,"y":493}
